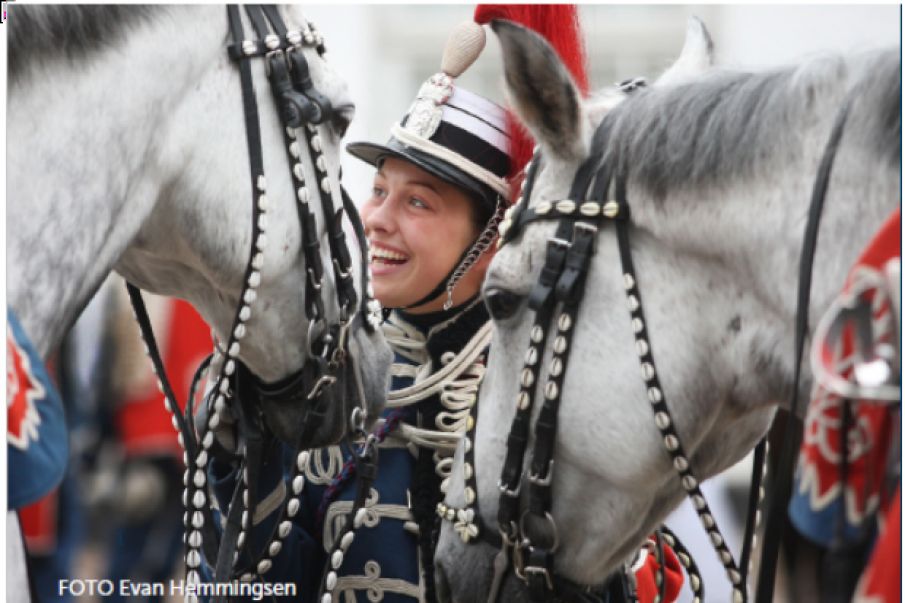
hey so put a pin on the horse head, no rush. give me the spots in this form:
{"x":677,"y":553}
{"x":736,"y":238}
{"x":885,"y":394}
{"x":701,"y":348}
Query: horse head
{"x":716,"y":169}
{"x":128,"y":152}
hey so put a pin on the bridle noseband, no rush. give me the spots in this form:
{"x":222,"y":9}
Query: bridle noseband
{"x":531,"y":534}
{"x":235,"y":390}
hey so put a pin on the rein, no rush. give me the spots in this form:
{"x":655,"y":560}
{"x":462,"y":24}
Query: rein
{"x":782,"y":491}
{"x":261,"y":408}
{"x":530,"y":537}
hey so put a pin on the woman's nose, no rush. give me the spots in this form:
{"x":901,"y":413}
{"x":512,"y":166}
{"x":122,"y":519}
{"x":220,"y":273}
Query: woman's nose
{"x":377,"y":215}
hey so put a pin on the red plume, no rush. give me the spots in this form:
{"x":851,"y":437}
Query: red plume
{"x":558,"y":23}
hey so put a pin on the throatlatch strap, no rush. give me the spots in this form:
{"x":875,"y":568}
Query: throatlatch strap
{"x":781,"y":493}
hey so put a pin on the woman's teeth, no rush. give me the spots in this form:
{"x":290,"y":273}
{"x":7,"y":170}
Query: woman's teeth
{"x":386,"y":256}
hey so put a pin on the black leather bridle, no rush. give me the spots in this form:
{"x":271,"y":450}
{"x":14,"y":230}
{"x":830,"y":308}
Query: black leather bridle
{"x":259,"y":407}
{"x":526,"y":530}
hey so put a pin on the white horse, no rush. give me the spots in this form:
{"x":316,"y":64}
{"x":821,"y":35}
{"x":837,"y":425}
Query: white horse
{"x":720,"y":170}
{"x":127,"y":152}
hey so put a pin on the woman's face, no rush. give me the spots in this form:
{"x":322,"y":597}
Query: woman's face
{"x":418,"y":226}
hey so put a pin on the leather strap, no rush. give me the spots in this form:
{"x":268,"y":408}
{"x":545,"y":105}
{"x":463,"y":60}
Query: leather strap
{"x":781,"y":493}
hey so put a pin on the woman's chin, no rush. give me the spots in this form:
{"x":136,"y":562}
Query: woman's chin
{"x":382,"y":270}
{"x":390,"y":288}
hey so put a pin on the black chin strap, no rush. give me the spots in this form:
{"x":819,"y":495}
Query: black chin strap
{"x":466,"y":260}
{"x":440,"y":289}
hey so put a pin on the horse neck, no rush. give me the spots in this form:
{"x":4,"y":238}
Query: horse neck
{"x":754,"y":229}
{"x":83,"y":173}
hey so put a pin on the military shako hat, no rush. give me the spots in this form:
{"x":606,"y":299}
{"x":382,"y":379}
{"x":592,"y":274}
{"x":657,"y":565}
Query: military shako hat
{"x":450,"y":132}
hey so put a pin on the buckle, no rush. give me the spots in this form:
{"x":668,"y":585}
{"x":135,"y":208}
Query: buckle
{"x":533,"y":572}
{"x":538,"y":573}
{"x":505,"y":491}
{"x":536,"y":479}
{"x":270,"y":57}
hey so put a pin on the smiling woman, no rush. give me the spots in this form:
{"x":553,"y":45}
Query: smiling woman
{"x":418,"y":227}
{"x":438,"y":195}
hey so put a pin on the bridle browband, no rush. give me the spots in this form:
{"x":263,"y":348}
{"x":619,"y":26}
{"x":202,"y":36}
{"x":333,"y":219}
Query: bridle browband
{"x":531,"y":535}
{"x":300,"y":396}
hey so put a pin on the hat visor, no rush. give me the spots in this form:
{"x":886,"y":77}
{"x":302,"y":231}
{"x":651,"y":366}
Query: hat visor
{"x":373,"y":153}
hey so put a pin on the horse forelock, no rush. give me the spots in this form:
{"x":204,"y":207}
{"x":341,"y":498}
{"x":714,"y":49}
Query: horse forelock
{"x":730,"y":126}
{"x":72,"y":32}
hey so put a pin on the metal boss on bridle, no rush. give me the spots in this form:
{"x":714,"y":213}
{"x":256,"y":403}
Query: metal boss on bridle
{"x":302,"y":108}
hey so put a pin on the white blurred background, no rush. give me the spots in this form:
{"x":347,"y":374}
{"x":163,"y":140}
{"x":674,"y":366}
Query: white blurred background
{"x":386,"y":51}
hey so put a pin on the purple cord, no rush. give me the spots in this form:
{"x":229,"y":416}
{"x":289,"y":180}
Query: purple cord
{"x":348,"y":470}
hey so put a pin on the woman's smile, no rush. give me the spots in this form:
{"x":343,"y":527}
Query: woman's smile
{"x":385,"y":260}
{"x":418,"y":227}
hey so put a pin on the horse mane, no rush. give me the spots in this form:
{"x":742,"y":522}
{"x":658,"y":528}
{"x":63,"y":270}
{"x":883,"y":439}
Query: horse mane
{"x":40,"y":32}
{"x":733,"y":125}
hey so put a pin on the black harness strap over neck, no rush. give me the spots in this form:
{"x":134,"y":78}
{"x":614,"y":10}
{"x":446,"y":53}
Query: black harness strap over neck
{"x":781,"y":491}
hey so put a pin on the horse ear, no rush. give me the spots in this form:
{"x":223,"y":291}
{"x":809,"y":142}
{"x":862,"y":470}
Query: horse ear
{"x":541,"y":90}
{"x":696,"y":56}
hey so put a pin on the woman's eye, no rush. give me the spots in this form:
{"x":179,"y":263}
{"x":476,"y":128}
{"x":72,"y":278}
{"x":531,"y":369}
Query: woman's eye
{"x":416,"y":202}
{"x":378,"y":192}
{"x":502,"y":304}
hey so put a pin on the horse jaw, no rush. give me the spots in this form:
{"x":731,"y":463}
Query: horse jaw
{"x":696,"y":56}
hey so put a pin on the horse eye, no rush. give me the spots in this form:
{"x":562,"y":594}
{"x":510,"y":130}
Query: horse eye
{"x":342,"y":117}
{"x":502,"y":304}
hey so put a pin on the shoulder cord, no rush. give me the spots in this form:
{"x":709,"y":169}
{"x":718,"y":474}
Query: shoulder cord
{"x":457,"y":398}
{"x":436,"y":382}
{"x":411,"y":344}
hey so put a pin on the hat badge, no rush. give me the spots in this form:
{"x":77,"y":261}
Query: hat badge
{"x":464,"y":45}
